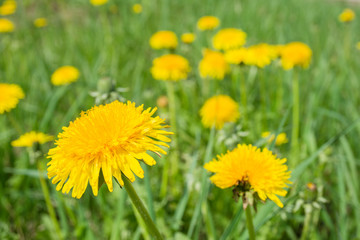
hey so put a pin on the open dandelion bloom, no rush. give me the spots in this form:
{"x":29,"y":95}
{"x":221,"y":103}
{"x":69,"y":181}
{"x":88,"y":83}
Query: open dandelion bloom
{"x":65,"y":75}
{"x":219,"y":110}
{"x":347,"y":15}
{"x":30,"y":138}
{"x":295,"y":54}
{"x":137,"y":8}
{"x":236,"y":56}
{"x":280,"y":138}
{"x":188,"y":38}
{"x":208,"y":23}
{"x":229,"y":38}
{"x":170,"y":67}
{"x":6,"y":25}
{"x":10,"y":94}
{"x":260,"y":55}
{"x":8,"y":7}
{"x":248,"y":165}
{"x":40,"y":22}
{"x":112,"y":137}
{"x":213,"y":65}
{"x":98,"y":2}
{"x":163,"y":39}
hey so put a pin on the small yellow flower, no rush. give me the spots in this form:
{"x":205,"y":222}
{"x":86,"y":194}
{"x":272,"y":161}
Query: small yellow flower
{"x":30,"y":138}
{"x":40,"y":22}
{"x":295,"y":54}
{"x":188,"y":38}
{"x":111,"y":138}
{"x":8,"y":7}
{"x":358,"y":45}
{"x":163,"y":39}
{"x":208,"y":23}
{"x":260,"y":55}
{"x":213,"y":65}
{"x":229,"y":38}
{"x":6,"y":25}
{"x":247,"y":165}
{"x":65,"y":75}
{"x":280,"y":138}
{"x":170,"y":67}
{"x":137,"y":8}
{"x":236,"y":56}
{"x":98,"y":2}
{"x":219,"y":110}
{"x":10,"y":94}
{"x":347,"y":15}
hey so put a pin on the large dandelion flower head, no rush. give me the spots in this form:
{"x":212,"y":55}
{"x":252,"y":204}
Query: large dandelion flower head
{"x":208,"y":23}
{"x":10,"y":94}
{"x":347,"y":15}
{"x":112,"y":138}
{"x":8,"y":7}
{"x":281,"y":138}
{"x":65,"y":75}
{"x":260,"y":55}
{"x":98,"y":2}
{"x":31,"y":138}
{"x":295,"y":54}
{"x":163,"y":39}
{"x":260,"y":170}
{"x":236,"y":56}
{"x":229,"y":38}
{"x":170,"y":67}
{"x":6,"y":25}
{"x":219,"y":110}
{"x":188,"y":38}
{"x":213,"y":65}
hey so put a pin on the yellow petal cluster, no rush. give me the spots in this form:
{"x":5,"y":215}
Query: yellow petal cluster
{"x":219,"y":110}
{"x":40,"y":22}
{"x":163,"y":39}
{"x":281,"y":138}
{"x":8,"y":7}
{"x":188,"y":38}
{"x":170,"y":67}
{"x":98,"y":2}
{"x":347,"y":15}
{"x":213,"y":65}
{"x":260,"y":55}
{"x":112,"y":138}
{"x":295,"y":54}
{"x":236,"y":56}
{"x":65,"y":75}
{"x":266,"y":174}
{"x":10,"y":94}
{"x":30,"y":138}
{"x":229,"y":38}
{"x":137,"y":8}
{"x":6,"y":25}
{"x":208,"y":23}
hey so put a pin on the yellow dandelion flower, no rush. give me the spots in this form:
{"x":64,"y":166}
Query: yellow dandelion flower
{"x":265,"y":174}
{"x":163,"y":39}
{"x":188,"y":38}
{"x":30,"y":138}
{"x":112,"y":137}
{"x":281,"y":138}
{"x":295,"y":54}
{"x":65,"y":75}
{"x":277,"y":49}
{"x":8,"y":7}
{"x":358,"y":45}
{"x":213,"y":65}
{"x":40,"y":22}
{"x":170,"y":67}
{"x":6,"y":25}
{"x":10,"y":94}
{"x":137,"y":8}
{"x":229,"y":38}
{"x":260,"y":55}
{"x":208,"y":23}
{"x":219,"y":110}
{"x":98,"y":2}
{"x":347,"y":15}
{"x":236,"y":56}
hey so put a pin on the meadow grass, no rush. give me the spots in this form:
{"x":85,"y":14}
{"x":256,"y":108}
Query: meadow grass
{"x":112,"y":41}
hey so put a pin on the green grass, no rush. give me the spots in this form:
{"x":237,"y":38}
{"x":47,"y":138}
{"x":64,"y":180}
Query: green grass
{"x":111,"y":41}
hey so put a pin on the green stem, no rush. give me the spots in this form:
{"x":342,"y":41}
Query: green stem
{"x":295,"y":117}
{"x":249,"y":223}
{"x":307,"y":221}
{"x":243,"y":96}
{"x":14,"y":123}
{"x":151,"y":228}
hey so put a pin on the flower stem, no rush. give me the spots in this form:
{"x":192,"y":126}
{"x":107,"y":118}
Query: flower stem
{"x":151,"y":228}
{"x":249,"y":223}
{"x":295,"y":117}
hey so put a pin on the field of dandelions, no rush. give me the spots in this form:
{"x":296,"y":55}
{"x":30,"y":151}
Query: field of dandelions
{"x":227,"y":119}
